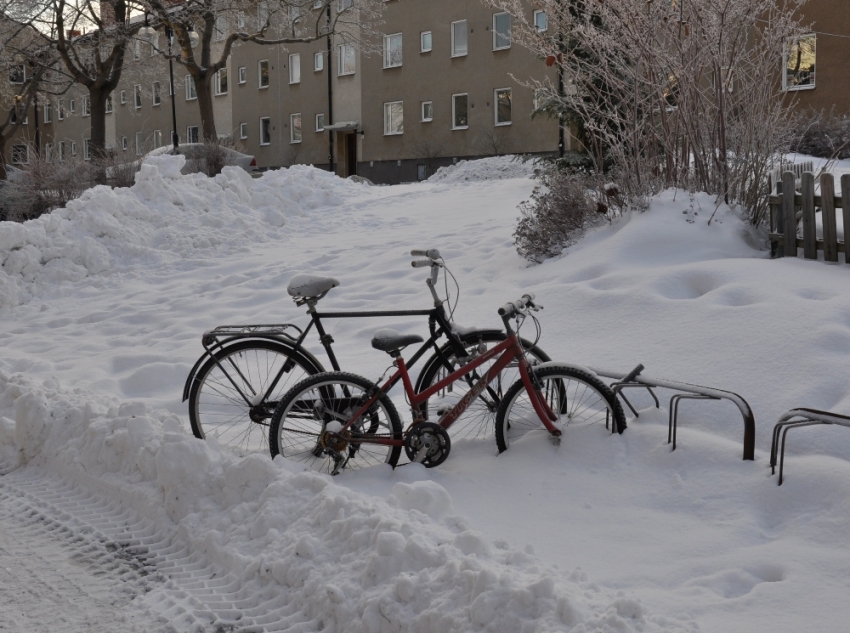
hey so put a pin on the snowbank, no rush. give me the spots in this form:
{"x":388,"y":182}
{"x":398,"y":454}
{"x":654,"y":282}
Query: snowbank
{"x":493,"y":168}
{"x":163,"y":217}
{"x":343,"y":560}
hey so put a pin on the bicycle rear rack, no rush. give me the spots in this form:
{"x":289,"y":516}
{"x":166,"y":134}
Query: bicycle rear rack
{"x":233,"y":332}
{"x":809,"y":417}
{"x":689,"y":392}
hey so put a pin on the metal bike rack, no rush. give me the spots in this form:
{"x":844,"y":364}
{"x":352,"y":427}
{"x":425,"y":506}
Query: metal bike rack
{"x":808,"y":417}
{"x":689,"y":391}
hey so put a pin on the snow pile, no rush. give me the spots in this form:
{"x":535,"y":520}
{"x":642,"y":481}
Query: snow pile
{"x":493,"y":168}
{"x":163,"y":217}
{"x":341,"y":560}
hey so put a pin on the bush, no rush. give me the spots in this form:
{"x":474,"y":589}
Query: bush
{"x":824,"y":135}
{"x":561,"y":208}
{"x":45,"y":186}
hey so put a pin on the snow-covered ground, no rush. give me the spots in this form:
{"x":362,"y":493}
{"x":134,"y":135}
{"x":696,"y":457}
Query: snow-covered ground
{"x":103,"y":305}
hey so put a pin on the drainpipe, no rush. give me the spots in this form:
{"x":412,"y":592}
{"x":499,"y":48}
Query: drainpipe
{"x":330,"y":96}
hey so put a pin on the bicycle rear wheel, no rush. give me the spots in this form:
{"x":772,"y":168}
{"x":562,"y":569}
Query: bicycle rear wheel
{"x":574,"y":395}
{"x":247,"y":368}
{"x":299,"y":425}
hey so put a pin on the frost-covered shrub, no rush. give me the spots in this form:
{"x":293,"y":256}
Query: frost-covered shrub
{"x":825,"y":136}
{"x":45,"y":185}
{"x":559,"y":211}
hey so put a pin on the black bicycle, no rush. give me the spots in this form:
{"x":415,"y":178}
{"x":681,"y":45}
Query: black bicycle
{"x":235,"y":386}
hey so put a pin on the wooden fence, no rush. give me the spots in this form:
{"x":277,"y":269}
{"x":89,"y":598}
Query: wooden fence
{"x":788,"y":208}
{"x":775,"y":177}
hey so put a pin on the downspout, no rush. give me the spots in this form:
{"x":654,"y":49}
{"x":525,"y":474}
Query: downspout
{"x":330,"y":96}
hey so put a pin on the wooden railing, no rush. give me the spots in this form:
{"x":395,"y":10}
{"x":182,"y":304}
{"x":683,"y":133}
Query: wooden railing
{"x":792,"y":208}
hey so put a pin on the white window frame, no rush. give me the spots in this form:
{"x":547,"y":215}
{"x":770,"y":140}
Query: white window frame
{"x":320,"y":127}
{"x":22,"y":76}
{"x":318,"y":62}
{"x":48,"y":152}
{"x":243,"y":131}
{"x":218,"y":89}
{"x":60,"y":110}
{"x":295,"y":68}
{"x":140,"y":143}
{"x":455,"y":51}
{"x":496,"y":92}
{"x":496,"y":34}
{"x":422,"y":48}
{"x":61,"y":152}
{"x":454,"y":115}
{"x":73,"y":148}
{"x":537,"y":13}
{"x":72,"y":106}
{"x":342,"y":49}
{"x":157,"y":138}
{"x":423,"y":118}
{"x":785,"y":59}
{"x":260,"y":85}
{"x":242,"y":75}
{"x":156,"y":93}
{"x":191,"y":88}
{"x":193,"y":132}
{"x":137,"y":96}
{"x":292,"y":139}
{"x":390,"y":61}
{"x":47,"y":113}
{"x":269,"y":122}
{"x":86,"y":149}
{"x":86,"y":106}
{"x":108,"y":106}
{"x":124,"y":144}
{"x":388,"y":119}
{"x":13,"y":153}
{"x":123,"y":97}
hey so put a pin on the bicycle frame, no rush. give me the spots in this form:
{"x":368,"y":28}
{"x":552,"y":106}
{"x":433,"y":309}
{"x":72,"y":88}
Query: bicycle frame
{"x":510,"y":350}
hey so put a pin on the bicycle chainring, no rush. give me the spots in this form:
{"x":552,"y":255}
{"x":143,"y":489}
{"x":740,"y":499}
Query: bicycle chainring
{"x":427,"y":443}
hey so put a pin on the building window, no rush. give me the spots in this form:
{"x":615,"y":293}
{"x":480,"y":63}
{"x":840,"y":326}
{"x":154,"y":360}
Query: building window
{"x":157,"y":93}
{"x":393,"y":118}
{"x":86,"y":107}
{"x":14,"y":119}
{"x":295,"y":128}
{"x":17,"y":74}
{"x":541,"y":22}
{"x":263,"y":68}
{"x":502,"y":102}
{"x":800,"y":64}
{"x":191,"y":88}
{"x":124,"y":143}
{"x":425,"y":42}
{"x":342,"y":5}
{"x":263,"y":15}
{"x":459,"y":40}
{"x":501,"y":31}
{"x":86,"y":149}
{"x":108,"y":106}
{"x":72,"y":106}
{"x":157,"y":138}
{"x":221,"y":82}
{"x":220,"y":28}
{"x":318,"y":62}
{"x":123,"y":97}
{"x":242,"y":75}
{"x":346,"y":64}
{"x":320,"y":122}
{"x":460,"y":112}
{"x":140,"y":143}
{"x":295,"y":68}
{"x":73,"y":148}
{"x":192,"y":135}
{"x":48,"y":152}
{"x":243,"y":130}
{"x":60,"y":110}
{"x":265,"y":131}
{"x":427,"y":111}
{"x":47,"y":113}
{"x":20,"y":154}
{"x":137,"y":96}
{"x":61,"y":151}
{"x":392,"y":50}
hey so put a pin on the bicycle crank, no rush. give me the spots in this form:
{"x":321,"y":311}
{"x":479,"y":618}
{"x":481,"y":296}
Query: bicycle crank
{"x":428,"y":444}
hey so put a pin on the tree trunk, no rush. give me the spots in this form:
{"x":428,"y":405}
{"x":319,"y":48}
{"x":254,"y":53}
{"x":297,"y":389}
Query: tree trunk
{"x":205,"y":104}
{"x":3,"y":140}
{"x":97,"y":101}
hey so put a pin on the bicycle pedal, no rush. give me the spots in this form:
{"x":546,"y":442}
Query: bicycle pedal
{"x":555,"y":439}
{"x":443,"y":410}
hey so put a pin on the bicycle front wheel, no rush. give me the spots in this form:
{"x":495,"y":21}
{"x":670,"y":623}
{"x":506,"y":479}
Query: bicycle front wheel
{"x":227,"y":400}
{"x":326,"y":402}
{"x":575,"y":396}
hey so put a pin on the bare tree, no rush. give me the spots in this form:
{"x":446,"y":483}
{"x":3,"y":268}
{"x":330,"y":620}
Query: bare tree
{"x":213,"y":27}
{"x":428,"y":150}
{"x":493,"y":141}
{"x":670,"y":93}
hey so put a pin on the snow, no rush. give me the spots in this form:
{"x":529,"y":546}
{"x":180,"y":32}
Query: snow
{"x":494,"y":168}
{"x":603,"y":533}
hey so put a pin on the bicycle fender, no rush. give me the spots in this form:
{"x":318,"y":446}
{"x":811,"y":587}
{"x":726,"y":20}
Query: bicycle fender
{"x":556,"y":363}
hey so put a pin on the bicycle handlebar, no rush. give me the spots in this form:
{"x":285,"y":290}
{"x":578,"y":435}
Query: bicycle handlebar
{"x":512,"y":307}
{"x":421,"y":263}
{"x":433,"y":253}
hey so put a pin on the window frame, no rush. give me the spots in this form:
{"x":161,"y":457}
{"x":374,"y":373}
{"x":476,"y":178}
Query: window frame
{"x":137,"y":96}
{"x":340,"y":60}
{"x":22,"y":75}
{"x":317,"y":68}
{"x":157,"y":138}
{"x":243,"y":131}
{"x":193,"y":131}
{"x":73,"y":148}
{"x":292,"y":139}
{"x":124,"y":144}
{"x":190,"y":88}
{"x":140,"y":143}
{"x":218,"y":83}
{"x":14,"y":156}
{"x":156,"y":94}
{"x":242,"y":75}
{"x":454,"y":111}
{"x":108,"y":106}
{"x":320,"y":128}
{"x":294,"y":63}
{"x":123,"y":97}
{"x":538,"y":12}
{"x":497,"y":34}
{"x":388,"y":120}
{"x":422,"y":118}
{"x":47,"y":113}
{"x":496,"y":122}
{"x":60,"y":110}
{"x":454,"y":52}
{"x":85,"y":106}
{"x":86,"y":149}
{"x":422,"y":48}
{"x":268,"y":74}
{"x":269,"y":130}
{"x":72,"y":106}
{"x":786,"y":57}
{"x":387,"y":60}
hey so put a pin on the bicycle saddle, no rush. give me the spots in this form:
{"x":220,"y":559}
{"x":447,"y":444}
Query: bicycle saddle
{"x":388,"y":340}
{"x":309,"y":286}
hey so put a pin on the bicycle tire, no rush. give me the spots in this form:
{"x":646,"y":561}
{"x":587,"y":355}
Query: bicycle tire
{"x":575,"y":395}
{"x":217,"y":409}
{"x":305,"y":411}
{"x":478,"y":421}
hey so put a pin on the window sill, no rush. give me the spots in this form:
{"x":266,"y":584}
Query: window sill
{"x":220,"y":94}
{"x":295,"y":142}
{"x":799,"y":88}
{"x":264,"y":144}
{"x":345,"y":74}
{"x":502,"y":48}
{"x":463,"y":127}
{"x":390,"y":67}
{"x":393,"y":133}
{"x":459,"y":55}
{"x":505,"y":124}
{"x":263,"y":88}
{"x":294,"y":83}
{"x":427,"y":121}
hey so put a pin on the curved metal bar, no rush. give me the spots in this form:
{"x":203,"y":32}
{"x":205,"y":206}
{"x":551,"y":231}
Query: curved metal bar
{"x":736,"y":399}
{"x":674,"y":413}
{"x":809,"y":417}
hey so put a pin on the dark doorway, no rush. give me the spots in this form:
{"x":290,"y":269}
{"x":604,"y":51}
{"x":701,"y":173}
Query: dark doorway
{"x":350,"y":155}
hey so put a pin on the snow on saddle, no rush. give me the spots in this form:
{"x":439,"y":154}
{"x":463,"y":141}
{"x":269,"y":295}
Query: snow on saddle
{"x":310,"y":286}
{"x":388,"y":340}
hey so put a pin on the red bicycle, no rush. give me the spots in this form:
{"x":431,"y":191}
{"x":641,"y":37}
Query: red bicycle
{"x":338,"y":420}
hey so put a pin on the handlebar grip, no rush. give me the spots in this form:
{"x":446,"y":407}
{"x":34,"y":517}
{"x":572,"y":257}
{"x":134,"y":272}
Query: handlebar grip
{"x":633,"y":374}
{"x":421,"y":263}
{"x":509,"y":309}
{"x":433,"y":253}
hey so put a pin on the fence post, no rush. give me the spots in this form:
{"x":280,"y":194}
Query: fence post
{"x":789,"y":213}
{"x":830,"y":230}
{"x":845,"y":214}
{"x":810,"y":230}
